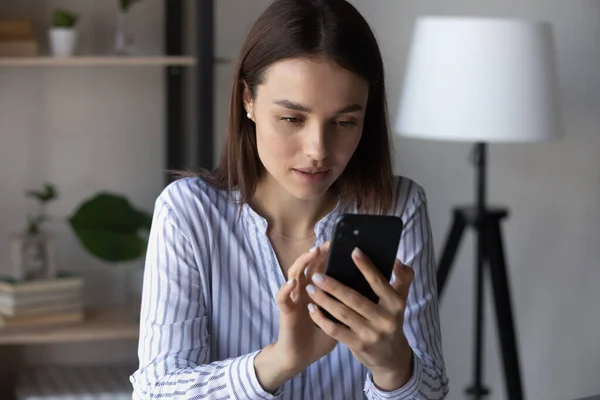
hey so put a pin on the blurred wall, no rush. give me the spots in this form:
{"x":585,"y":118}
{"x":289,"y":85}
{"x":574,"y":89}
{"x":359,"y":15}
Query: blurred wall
{"x":552,"y":190}
{"x":102,"y":128}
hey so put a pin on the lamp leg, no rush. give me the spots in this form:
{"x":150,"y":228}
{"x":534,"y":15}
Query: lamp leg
{"x":450,"y":249}
{"x":504,"y":315}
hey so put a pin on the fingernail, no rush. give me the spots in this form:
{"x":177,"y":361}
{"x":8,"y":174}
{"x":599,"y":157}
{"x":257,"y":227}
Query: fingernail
{"x":290,"y":281}
{"x":310,"y":289}
{"x":357,"y":252}
{"x":312,"y":250}
{"x":393,"y":278}
{"x":311,"y":307}
{"x":306,"y":271}
{"x":318,"y":278}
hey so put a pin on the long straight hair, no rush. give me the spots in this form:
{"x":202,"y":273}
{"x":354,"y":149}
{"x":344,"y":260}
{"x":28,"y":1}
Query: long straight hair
{"x":334,"y":30}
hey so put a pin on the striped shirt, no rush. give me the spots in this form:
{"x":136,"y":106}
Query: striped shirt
{"x":208,"y":303}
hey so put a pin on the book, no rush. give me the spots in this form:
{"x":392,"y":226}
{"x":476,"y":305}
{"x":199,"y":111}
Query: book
{"x":40,"y":309}
{"x":17,"y":38}
{"x":60,"y":283}
{"x":41,"y":320}
{"x":16,"y":29}
{"x":38,"y":298}
{"x":15,"y":302}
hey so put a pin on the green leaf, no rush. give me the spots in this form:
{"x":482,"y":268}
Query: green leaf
{"x":126,"y":4}
{"x":112,"y":247}
{"x":110,"y":228}
{"x":64,"y":19}
{"x":45,"y":195}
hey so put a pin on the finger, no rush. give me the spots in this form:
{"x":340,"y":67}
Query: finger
{"x":283,"y":297}
{"x":350,"y":298}
{"x":356,"y":322}
{"x":302,"y":262}
{"x":336,"y":331}
{"x":376,"y":280}
{"x":402,"y":279}
{"x":319,"y":263}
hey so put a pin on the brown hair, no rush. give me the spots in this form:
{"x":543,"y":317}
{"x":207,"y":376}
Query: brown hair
{"x":333,"y":29}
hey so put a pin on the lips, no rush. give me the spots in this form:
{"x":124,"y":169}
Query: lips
{"x":311,"y":175}
{"x":311,"y":171}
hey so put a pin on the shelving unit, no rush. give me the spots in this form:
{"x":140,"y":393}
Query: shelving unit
{"x":99,"y":61}
{"x":106,"y":324}
{"x":99,"y":325}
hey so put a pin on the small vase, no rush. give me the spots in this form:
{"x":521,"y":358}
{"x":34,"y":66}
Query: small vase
{"x":32,"y":257}
{"x":123,"y":40}
{"x":62,"y":41}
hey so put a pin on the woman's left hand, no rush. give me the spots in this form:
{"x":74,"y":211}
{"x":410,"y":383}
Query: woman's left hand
{"x":373,"y":332}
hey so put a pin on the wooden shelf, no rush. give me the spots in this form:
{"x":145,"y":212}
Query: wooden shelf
{"x":99,"y":324}
{"x":99,"y":61}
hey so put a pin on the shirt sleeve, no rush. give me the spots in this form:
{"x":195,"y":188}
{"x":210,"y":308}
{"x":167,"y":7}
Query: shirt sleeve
{"x":174,"y":349}
{"x":421,"y":317}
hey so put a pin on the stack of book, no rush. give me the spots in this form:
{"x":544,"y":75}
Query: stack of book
{"x":41,"y":302}
{"x":17,"y":38}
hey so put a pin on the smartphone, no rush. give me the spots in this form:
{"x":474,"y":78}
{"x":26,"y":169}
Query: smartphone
{"x":378,"y":236}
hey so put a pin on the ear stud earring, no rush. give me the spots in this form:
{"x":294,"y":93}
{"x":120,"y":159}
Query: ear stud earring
{"x":249,"y":116}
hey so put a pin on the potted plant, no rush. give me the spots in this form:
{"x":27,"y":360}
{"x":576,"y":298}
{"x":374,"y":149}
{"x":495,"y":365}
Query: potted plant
{"x":32,"y":251}
{"x":63,"y":33}
{"x":123,"y":39}
{"x":106,"y":225}
{"x":111,"y":229}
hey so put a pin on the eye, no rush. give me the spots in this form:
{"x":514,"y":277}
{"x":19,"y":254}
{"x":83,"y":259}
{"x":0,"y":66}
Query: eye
{"x":291,"y":120}
{"x":346,"y":124}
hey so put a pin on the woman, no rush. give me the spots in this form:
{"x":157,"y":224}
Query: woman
{"x":231,"y":288}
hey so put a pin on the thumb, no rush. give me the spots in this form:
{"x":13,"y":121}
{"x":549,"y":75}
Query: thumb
{"x":402,"y":277}
{"x":284,"y":298}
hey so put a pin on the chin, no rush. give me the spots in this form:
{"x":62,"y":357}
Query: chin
{"x":304,"y":194}
{"x":312,"y":191}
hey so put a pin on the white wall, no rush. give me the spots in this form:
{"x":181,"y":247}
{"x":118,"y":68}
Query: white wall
{"x":552,"y":190}
{"x":91,"y":134}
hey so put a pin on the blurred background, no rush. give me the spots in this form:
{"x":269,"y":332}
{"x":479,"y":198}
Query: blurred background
{"x":95,"y":122}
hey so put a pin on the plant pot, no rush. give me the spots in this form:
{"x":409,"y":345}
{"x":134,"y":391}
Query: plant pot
{"x":62,"y":41}
{"x":32,"y":257}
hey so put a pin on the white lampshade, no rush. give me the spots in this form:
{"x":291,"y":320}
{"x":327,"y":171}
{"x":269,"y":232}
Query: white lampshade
{"x":480,"y":80}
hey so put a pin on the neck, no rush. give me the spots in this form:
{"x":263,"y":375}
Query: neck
{"x":288,"y":215}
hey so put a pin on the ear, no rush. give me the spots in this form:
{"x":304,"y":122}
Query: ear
{"x":247,"y":99}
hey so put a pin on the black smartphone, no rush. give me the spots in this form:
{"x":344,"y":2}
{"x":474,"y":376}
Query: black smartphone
{"x":378,"y":236}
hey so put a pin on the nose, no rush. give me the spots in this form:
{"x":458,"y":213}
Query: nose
{"x":315,"y":143}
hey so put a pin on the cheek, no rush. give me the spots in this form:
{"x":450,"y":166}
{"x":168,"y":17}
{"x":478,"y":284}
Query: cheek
{"x":346,"y":146}
{"x":273,"y":148}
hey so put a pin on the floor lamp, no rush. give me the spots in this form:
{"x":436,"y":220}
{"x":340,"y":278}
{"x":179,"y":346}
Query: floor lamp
{"x":482,"y":80}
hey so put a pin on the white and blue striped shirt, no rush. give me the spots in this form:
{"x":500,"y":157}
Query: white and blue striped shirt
{"x":208,"y":304}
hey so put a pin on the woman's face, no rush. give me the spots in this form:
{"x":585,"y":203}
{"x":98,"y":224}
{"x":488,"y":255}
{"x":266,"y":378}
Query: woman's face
{"x":309,"y":116}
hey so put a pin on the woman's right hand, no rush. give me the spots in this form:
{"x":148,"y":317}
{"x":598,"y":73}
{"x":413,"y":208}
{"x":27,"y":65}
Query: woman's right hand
{"x":300,"y":341}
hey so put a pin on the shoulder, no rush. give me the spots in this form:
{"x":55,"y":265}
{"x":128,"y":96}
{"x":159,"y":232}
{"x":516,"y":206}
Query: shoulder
{"x":408,"y":196}
{"x":191,"y":201}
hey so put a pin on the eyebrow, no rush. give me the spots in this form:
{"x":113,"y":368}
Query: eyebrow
{"x":292,"y":105}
